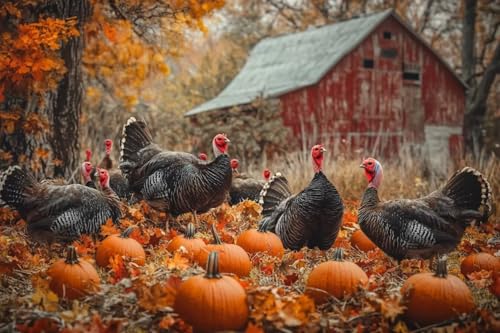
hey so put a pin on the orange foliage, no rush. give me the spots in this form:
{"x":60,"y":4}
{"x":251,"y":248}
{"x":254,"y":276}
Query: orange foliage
{"x":29,"y":56}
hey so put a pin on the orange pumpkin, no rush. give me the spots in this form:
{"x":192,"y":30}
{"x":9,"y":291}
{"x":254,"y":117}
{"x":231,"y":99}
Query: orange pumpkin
{"x":191,"y":244}
{"x":337,"y":278}
{"x":212,"y":302}
{"x":479,"y":261}
{"x":72,"y":278}
{"x":362,"y":242}
{"x":121,"y":245}
{"x":232,"y":258}
{"x":259,"y":240}
{"x":436,"y":297}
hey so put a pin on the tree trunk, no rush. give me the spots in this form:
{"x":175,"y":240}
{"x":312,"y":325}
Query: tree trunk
{"x":65,"y":104}
{"x":477,"y":93}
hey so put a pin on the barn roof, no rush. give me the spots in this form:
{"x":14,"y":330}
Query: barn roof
{"x":278,"y":65}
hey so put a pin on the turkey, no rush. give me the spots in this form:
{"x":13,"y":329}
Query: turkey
{"x":58,"y":212}
{"x":87,"y":170}
{"x":175,"y":182}
{"x":424,"y":227}
{"x":117,"y":181}
{"x":310,"y":218}
{"x":245,"y":187}
{"x":107,"y":162}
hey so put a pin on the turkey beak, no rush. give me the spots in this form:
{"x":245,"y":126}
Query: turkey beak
{"x":362,"y":166}
{"x":227,"y":140}
{"x":323,"y":149}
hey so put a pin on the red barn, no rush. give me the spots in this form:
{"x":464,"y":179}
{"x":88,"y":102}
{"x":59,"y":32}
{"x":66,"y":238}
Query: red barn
{"x":369,"y":82}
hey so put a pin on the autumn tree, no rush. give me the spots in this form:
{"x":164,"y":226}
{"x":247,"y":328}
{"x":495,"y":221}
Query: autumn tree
{"x":480,"y":67}
{"x":46,"y":48}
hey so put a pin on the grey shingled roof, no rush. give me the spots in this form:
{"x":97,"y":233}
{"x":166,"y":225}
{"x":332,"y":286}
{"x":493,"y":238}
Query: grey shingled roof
{"x":278,"y":65}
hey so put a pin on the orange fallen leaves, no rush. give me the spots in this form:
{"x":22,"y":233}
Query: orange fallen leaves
{"x":159,"y":296}
{"x":109,"y":228}
{"x":275,"y":305}
{"x":177,"y":262}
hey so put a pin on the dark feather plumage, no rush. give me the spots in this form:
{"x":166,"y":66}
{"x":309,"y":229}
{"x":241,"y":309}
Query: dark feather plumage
{"x":57,"y":212}
{"x":244,"y":188}
{"x":431,"y":225}
{"x":310,"y":218}
{"x":176,"y":182}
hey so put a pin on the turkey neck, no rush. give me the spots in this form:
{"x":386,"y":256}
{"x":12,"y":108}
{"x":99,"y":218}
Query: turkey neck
{"x":370,"y":198}
{"x":111,"y":197}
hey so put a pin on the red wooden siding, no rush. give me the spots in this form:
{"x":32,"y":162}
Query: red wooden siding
{"x":354,"y":107}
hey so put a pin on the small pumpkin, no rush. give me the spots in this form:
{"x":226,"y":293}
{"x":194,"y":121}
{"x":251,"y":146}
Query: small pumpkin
{"x":436,"y":297}
{"x":191,"y":244}
{"x":260,"y":240}
{"x":72,"y":278}
{"x":362,"y":242}
{"x":338,"y":278}
{"x":121,"y":245}
{"x":232,"y":258}
{"x":212,"y":302}
{"x":479,"y":261}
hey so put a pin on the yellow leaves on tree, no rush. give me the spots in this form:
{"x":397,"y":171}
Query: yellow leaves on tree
{"x":126,"y":57}
{"x":29,"y":58}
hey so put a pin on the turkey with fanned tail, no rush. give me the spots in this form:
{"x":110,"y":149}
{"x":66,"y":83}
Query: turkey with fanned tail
{"x":174,"y":182}
{"x":310,"y":218}
{"x":58,"y":212}
{"x":427,"y":226}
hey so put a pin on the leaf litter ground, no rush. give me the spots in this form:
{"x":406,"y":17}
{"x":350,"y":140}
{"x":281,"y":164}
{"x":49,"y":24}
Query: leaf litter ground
{"x":134,"y":298}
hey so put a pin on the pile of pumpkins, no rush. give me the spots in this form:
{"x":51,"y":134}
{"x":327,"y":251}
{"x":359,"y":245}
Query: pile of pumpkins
{"x":427,"y":295}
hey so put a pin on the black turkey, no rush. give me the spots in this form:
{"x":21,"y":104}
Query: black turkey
{"x":175,"y":182}
{"x":310,"y":218}
{"x":427,"y":226}
{"x":245,"y":187}
{"x":58,"y":212}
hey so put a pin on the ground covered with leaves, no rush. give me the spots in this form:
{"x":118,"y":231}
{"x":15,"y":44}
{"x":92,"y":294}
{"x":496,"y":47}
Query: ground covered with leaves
{"x":136,"y":298}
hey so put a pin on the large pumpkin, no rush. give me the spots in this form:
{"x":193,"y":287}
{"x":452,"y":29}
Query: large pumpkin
{"x":191,"y":244}
{"x":72,"y":278}
{"x":212,"y":302}
{"x":259,"y":240}
{"x":362,"y":242}
{"x":479,"y":261}
{"x":337,"y":278}
{"x":121,"y":245}
{"x":232,"y":258}
{"x":434,"y":297}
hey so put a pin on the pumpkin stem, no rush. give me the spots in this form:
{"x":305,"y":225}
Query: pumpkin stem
{"x":441,"y":269}
{"x":217,"y":239}
{"x":338,"y":254}
{"x":71,"y":256}
{"x":126,"y":233}
{"x":213,"y":266}
{"x":190,"y":231}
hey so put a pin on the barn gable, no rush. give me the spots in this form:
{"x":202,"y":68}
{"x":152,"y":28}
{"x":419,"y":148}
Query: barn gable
{"x":282,"y":64}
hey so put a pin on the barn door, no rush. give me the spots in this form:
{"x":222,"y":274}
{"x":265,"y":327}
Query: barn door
{"x":413,"y":113}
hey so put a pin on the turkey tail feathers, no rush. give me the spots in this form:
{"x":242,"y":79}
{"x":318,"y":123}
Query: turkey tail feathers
{"x":13,"y":184}
{"x":273,"y":192}
{"x":135,"y":136}
{"x":470,"y":190}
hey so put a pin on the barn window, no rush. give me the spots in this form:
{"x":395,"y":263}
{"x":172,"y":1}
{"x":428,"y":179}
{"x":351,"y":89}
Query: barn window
{"x":411,"y":72}
{"x":389,"y":53}
{"x":387,"y":35}
{"x":368,"y":63}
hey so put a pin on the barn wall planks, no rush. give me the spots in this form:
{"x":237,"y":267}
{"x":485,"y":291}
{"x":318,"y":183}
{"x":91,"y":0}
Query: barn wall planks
{"x":379,"y":97}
